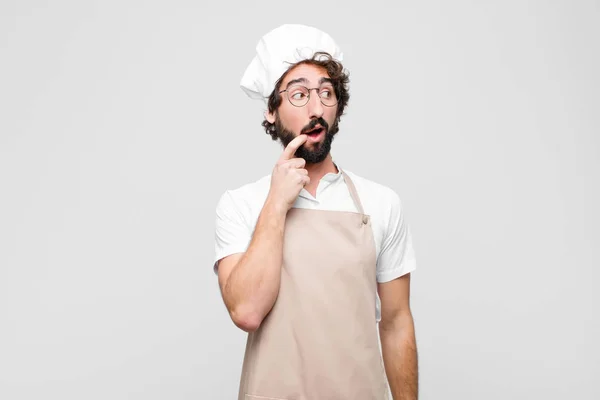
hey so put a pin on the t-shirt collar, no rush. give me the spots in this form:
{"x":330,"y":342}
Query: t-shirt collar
{"x":332,"y":176}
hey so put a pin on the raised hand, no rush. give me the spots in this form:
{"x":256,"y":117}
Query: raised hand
{"x":289,"y":176}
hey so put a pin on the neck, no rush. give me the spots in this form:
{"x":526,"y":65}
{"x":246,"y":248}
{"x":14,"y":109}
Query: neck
{"x":318,"y":171}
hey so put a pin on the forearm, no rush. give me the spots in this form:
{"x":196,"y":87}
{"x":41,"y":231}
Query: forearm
{"x":400,"y":357}
{"x":253,"y":285}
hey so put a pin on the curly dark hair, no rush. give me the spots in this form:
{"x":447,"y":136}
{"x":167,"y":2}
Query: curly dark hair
{"x":339,"y":77}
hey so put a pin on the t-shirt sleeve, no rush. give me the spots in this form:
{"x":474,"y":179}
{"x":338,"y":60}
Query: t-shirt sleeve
{"x":232,"y":232}
{"x":397,"y":256}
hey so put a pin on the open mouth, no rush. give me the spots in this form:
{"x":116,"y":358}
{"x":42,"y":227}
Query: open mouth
{"x":315,"y":132}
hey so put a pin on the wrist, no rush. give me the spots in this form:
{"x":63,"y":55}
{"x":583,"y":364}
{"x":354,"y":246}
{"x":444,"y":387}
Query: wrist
{"x":275,"y":208}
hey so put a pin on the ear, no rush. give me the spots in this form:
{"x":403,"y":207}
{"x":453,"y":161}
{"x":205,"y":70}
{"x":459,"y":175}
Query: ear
{"x":269,"y":117}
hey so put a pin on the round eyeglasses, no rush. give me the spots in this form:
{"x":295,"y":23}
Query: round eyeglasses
{"x":299,"y":95}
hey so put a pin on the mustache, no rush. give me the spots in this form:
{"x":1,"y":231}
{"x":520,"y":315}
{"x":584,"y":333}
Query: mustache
{"x":313,"y":123}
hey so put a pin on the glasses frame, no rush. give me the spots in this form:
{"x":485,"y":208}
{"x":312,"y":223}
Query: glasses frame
{"x":308,"y":97}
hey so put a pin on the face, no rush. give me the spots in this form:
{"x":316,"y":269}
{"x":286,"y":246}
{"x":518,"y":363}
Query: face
{"x":291,"y":120}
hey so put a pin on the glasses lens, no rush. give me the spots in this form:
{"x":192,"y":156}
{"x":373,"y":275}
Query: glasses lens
{"x":298,"y":95}
{"x":327,"y":95}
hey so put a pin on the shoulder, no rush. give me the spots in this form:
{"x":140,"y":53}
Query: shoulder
{"x":395,"y":253}
{"x":245,"y":198}
{"x":383,"y":204}
{"x":376,"y":196}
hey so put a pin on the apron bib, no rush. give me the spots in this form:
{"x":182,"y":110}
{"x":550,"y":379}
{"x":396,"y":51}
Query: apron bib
{"x":320,"y":339}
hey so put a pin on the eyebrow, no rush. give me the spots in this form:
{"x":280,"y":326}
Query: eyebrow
{"x":305,"y":81}
{"x":299,"y":80}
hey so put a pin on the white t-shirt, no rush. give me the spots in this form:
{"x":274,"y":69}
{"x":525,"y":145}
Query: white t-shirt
{"x":238,"y":210}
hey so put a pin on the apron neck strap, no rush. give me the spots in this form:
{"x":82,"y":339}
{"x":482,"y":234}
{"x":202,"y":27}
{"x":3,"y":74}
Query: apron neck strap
{"x":353,"y":192}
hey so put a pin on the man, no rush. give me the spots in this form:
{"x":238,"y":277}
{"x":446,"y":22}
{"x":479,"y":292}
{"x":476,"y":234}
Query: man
{"x":313,"y":258}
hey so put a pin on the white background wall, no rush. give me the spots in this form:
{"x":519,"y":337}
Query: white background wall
{"x":121,"y":123}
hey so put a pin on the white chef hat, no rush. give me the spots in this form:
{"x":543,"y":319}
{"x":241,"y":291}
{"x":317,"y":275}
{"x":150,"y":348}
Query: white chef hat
{"x":277,"y":50}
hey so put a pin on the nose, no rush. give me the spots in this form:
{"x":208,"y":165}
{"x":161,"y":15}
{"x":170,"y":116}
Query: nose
{"x":315,"y":107}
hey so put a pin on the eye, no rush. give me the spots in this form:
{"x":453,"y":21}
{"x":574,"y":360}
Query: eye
{"x":298,"y":95}
{"x":326,"y":92}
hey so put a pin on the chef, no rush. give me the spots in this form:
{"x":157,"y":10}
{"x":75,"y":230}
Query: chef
{"x":313,"y":260}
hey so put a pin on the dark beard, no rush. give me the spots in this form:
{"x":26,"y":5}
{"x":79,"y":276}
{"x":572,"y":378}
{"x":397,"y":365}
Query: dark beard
{"x":320,"y":150}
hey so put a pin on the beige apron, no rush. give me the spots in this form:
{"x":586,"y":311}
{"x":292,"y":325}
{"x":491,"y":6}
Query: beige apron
{"x":320,"y":340}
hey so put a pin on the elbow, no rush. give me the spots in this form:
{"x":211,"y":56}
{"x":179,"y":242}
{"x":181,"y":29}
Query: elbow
{"x":246,"y":320}
{"x":397,"y":324}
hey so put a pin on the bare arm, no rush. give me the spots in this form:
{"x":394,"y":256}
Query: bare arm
{"x":249,"y":281}
{"x":398,"y":342}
